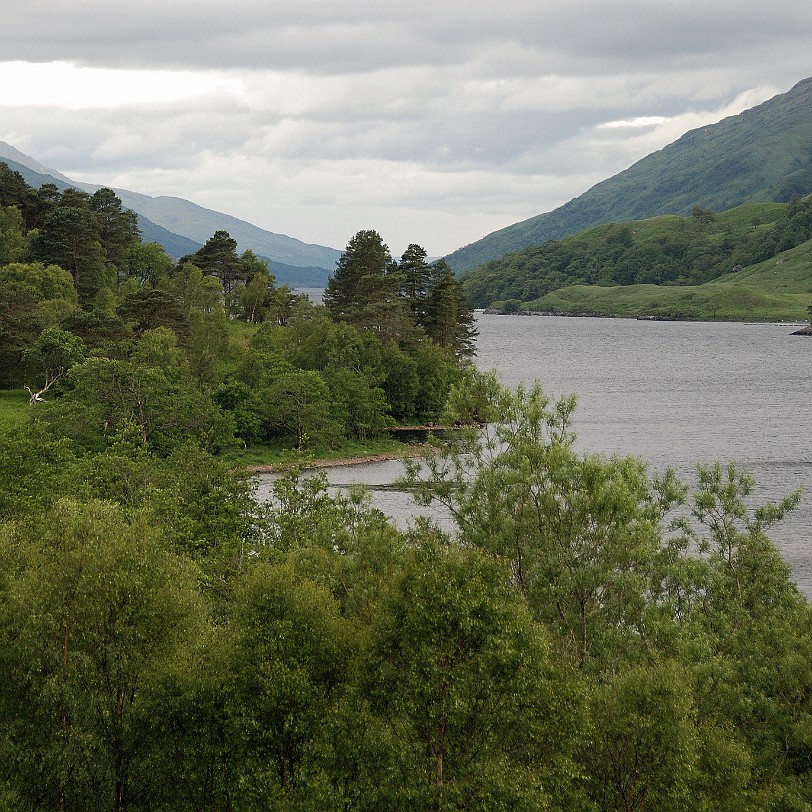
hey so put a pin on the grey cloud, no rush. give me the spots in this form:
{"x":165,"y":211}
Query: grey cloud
{"x":451,"y":117}
{"x":347,"y":37}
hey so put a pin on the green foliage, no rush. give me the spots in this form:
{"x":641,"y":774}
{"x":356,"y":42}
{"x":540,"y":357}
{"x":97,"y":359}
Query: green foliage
{"x":218,"y":258}
{"x":32,"y":297}
{"x":298,"y":407}
{"x":304,"y":378}
{"x":53,"y":354}
{"x":152,"y":390}
{"x":467,"y":680}
{"x":688,"y":631}
{"x":90,"y":604}
{"x":612,"y":269}
{"x":13,"y":242}
{"x":146,"y":262}
{"x":34,"y":469}
{"x":589,"y":638}
{"x":291,"y":651}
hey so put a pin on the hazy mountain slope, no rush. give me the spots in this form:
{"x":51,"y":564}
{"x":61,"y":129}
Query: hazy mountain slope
{"x":172,"y":221}
{"x":762,"y":154}
{"x":198,"y":223}
{"x":9,"y":153}
{"x":174,"y":244}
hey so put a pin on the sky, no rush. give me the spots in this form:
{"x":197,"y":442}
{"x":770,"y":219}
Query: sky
{"x":431,"y":121}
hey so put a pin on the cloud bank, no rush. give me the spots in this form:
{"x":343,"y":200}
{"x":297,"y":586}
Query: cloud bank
{"x":433,"y":123}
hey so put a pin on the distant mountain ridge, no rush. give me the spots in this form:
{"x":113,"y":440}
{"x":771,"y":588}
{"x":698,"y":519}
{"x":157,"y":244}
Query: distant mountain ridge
{"x":182,"y":227}
{"x":763,"y":154}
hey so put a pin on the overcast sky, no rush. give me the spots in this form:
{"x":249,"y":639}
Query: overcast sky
{"x":433,"y":122}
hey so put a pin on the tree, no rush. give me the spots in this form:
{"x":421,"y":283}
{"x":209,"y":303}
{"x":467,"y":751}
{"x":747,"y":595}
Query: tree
{"x":416,"y":274}
{"x":117,"y":227}
{"x":582,"y":534}
{"x":447,"y":316}
{"x":252,"y":301}
{"x":15,"y":192}
{"x":148,"y":308}
{"x":365,"y":290}
{"x":361,"y":406}
{"x":91,"y":605}
{"x":645,"y":750}
{"x":299,"y":407}
{"x":13,"y":240}
{"x":218,"y":257}
{"x":147,"y":262}
{"x":194,"y":290}
{"x":366,"y":255}
{"x":291,"y":655}
{"x":469,"y":686}
{"x":35,"y":469}
{"x":54,"y":352}
{"x":152,"y":390}
{"x":69,"y":238}
{"x":32,"y":296}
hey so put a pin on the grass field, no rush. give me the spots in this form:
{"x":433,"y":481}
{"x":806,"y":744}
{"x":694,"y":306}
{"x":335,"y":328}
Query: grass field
{"x":13,"y":407}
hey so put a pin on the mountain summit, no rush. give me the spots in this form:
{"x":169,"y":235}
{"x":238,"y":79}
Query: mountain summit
{"x":763,"y":154}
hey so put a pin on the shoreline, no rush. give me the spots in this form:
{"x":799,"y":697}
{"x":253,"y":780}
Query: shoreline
{"x":340,"y":462}
{"x":587,"y":314}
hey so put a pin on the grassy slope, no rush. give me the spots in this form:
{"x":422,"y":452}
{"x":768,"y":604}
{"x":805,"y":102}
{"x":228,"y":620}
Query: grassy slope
{"x":779,"y":289}
{"x":760,"y":155}
{"x":13,"y":407}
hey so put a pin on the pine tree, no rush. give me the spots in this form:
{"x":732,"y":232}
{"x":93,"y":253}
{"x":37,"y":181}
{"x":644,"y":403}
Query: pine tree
{"x":448,"y":319}
{"x":365,"y":290}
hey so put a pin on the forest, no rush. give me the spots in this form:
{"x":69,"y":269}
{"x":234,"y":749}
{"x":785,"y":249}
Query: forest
{"x":208,"y":344}
{"x":586,"y":636}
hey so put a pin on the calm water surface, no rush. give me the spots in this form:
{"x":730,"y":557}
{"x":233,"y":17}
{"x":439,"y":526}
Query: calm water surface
{"x":673,"y":393}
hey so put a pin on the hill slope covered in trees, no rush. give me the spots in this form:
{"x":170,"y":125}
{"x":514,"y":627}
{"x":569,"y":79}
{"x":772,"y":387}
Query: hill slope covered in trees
{"x":667,"y":266}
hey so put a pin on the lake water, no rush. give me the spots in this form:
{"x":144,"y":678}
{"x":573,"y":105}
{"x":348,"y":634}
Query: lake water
{"x":673,"y":393}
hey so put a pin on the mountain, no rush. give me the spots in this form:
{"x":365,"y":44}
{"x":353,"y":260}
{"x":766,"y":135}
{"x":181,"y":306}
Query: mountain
{"x":174,"y":244}
{"x":182,"y":227}
{"x":197,"y":223}
{"x":762,"y":154}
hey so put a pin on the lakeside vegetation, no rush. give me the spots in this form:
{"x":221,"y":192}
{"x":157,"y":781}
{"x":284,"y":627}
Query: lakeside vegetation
{"x":587,"y":637}
{"x":751,"y":263}
{"x":112,"y":332}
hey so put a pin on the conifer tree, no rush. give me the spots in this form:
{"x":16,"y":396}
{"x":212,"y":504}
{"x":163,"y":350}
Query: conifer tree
{"x":365,"y":290}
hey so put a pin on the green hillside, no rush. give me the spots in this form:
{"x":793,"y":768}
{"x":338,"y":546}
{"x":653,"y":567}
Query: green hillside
{"x":763,"y":154}
{"x":641,"y":267}
{"x":778,"y":289}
